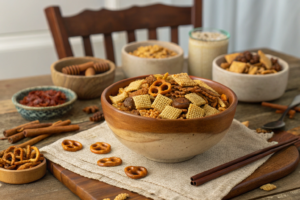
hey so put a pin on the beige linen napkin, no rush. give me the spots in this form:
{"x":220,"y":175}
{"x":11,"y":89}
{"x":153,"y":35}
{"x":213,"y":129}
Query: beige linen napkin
{"x":164,"y":180}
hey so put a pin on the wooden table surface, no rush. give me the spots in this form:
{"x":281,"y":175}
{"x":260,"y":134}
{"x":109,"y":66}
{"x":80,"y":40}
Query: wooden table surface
{"x":51,"y":189}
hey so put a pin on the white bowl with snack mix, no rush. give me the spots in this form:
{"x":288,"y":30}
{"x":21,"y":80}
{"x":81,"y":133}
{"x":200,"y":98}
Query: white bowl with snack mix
{"x":254,"y":77}
{"x":151,"y":57}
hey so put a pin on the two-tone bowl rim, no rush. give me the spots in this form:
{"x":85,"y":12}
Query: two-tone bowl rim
{"x":16,"y":103}
{"x":106,"y":93}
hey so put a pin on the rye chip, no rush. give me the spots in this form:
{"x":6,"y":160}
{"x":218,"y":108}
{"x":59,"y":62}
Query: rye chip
{"x":135,"y":85}
{"x":119,"y":98}
{"x":237,"y":67}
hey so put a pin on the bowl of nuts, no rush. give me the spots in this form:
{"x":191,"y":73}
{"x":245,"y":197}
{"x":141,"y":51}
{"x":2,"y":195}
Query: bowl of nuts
{"x":86,"y":76}
{"x":151,"y":57}
{"x":254,"y":77}
{"x":168,"y":118}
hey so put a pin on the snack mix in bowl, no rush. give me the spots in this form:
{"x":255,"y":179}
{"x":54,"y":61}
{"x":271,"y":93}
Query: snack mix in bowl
{"x":248,"y":63}
{"x":169,"y":97}
{"x":154,"y":51}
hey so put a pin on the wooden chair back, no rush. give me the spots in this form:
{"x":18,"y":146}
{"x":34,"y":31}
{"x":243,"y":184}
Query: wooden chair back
{"x":106,"y":22}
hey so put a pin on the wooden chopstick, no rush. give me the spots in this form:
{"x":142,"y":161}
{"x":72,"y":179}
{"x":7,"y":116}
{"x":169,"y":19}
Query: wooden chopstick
{"x":238,"y":163}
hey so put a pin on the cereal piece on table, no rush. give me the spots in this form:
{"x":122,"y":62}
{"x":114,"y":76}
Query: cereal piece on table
{"x":98,"y":116}
{"x":119,"y":98}
{"x":183,"y":79}
{"x":170,"y":113}
{"x":161,"y":102}
{"x":246,"y":123}
{"x":202,"y":84}
{"x":135,"y":85}
{"x":142,"y":101}
{"x":195,"y":112}
{"x":237,"y":67}
{"x":268,"y":187}
{"x":122,"y":196}
{"x":264,"y":60}
{"x":253,"y":70}
{"x":91,"y":109}
{"x":230,"y":57}
{"x":195,"y":99}
{"x":210,"y":110}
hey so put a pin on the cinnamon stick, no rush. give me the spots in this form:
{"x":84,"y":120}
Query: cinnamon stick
{"x":13,"y":131}
{"x":50,"y":130}
{"x":278,"y":107}
{"x":16,"y":137}
{"x":33,"y":126}
{"x":291,"y":113}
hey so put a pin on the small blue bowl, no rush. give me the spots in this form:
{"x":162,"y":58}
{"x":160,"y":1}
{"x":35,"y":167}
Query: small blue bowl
{"x":43,"y":113}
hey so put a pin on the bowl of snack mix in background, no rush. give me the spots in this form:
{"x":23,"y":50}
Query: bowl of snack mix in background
{"x":43,"y":102}
{"x":254,"y":77}
{"x":86,"y":76}
{"x":158,"y":118}
{"x":151,"y":57}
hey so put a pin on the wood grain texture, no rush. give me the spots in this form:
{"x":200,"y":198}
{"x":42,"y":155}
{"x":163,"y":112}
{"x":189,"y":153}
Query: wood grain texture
{"x":86,"y":87}
{"x":279,"y":165}
{"x":103,"y":21}
{"x":50,"y":188}
{"x":23,"y":176}
{"x":87,"y":45}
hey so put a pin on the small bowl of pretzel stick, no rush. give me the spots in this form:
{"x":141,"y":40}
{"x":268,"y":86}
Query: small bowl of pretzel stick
{"x":254,"y":77}
{"x":86,"y":76}
{"x":22,"y":165}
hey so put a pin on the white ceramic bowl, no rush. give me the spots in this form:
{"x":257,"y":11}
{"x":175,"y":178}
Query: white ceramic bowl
{"x":252,"y":88}
{"x":136,"y":66}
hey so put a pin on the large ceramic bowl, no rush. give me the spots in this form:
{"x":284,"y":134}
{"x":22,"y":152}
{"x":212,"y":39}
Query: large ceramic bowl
{"x":86,"y":87}
{"x":43,"y":113}
{"x":253,"y":88}
{"x":165,"y":140}
{"x":136,"y":66}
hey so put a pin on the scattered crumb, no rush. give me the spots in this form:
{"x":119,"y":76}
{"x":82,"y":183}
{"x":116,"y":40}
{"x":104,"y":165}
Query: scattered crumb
{"x":122,"y":196}
{"x":260,"y":130}
{"x":246,"y":123}
{"x":268,"y":187}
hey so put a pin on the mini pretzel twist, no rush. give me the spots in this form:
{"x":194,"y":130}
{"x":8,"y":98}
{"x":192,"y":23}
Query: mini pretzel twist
{"x":10,"y":155}
{"x":136,"y":172}
{"x":109,"y":162}
{"x":19,"y":154}
{"x":71,"y":145}
{"x":159,"y":87}
{"x":100,"y":148}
